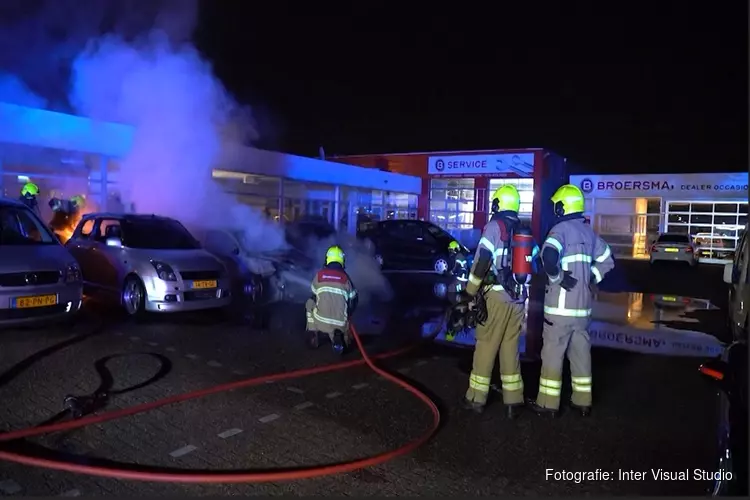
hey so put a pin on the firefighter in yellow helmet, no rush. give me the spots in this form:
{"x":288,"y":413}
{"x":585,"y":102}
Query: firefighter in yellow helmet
{"x":29,"y":195}
{"x":573,"y":257}
{"x":333,"y":302}
{"x":490,"y":286}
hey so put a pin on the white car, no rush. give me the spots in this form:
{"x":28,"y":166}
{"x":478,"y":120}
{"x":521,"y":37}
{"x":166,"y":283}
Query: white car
{"x":737,"y":276}
{"x":674,"y":247}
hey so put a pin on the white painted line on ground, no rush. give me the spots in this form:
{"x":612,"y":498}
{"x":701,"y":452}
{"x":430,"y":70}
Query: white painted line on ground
{"x":302,"y":406}
{"x":71,"y":493}
{"x":135,"y":339}
{"x":10,"y":487}
{"x":360,"y":386}
{"x":192,"y":356}
{"x":229,"y":433}
{"x":171,"y":349}
{"x":215,"y":364}
{"x":295,"y":390}
{"x":420,"y":363}
{"x":332,"y":395}
{"x":268,"y":418}
{"x":153,"y":344}
{"x":183,"y":451}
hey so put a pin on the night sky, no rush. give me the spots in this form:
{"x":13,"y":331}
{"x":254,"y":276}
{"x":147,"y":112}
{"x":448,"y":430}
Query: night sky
{"x":656,"y":89}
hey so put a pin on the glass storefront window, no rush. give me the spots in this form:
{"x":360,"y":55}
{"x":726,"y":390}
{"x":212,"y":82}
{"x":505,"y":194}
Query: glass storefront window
{"x":714,"y":226}
{"x":452,"y":203}
{"x":525,"y":191}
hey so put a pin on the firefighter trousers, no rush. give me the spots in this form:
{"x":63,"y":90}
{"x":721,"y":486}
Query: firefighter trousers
{"x":562,"y":335}
{"x":499,"y":336}
{"x":314,"y":325}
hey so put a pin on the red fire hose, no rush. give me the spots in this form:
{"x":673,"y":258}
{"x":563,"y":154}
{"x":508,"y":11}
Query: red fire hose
{"x":227,"y":477}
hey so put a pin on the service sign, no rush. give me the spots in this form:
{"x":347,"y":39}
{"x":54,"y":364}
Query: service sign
{"x":489,"y":165}
{"x":674,"y":186}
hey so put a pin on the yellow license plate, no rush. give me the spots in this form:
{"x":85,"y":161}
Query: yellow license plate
{"x":671,"y":249}
{"x":204,"y":284}
{"x":34,"y":301}
{"x":670,"y":299}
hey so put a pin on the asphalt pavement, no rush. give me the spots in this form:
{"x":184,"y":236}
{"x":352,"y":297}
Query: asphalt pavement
{"x":651,"y":412}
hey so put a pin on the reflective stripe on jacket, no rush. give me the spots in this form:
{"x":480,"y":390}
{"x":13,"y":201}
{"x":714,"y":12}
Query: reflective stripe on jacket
{"x":586,"y":256}
{"x":333,"y":292}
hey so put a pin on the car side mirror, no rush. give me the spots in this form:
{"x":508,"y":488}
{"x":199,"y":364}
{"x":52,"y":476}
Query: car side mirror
{"x":728,"y":272}
{"x":114,"y":242}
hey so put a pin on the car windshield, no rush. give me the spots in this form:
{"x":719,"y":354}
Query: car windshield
{"x":19,"y":226}
{"x":673,"y":238}
{"x":157,"y":234}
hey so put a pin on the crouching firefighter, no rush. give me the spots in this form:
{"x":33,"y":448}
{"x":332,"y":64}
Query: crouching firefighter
{"x":333,"y":302}
{"x":493,"y":285}
{"x":574,"y":258}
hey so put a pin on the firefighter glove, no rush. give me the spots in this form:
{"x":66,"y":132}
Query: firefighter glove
{"x":568,"y":282}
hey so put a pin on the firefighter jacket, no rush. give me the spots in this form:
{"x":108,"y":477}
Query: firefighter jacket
{"x":460,"y":270}
{"x":572,"y":246}
{"x":32,"y":203}
{"x":335,"y":298}
{"x":492,"y":255}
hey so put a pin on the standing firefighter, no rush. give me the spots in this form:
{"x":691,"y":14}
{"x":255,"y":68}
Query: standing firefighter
{"x":574,"y":257}
{"x":29,"y":194}
{"x":334,"y":300}
{"x":493,"y":286}
{"x":460,"y":271}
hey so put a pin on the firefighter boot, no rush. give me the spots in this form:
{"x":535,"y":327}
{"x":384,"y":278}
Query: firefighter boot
{"x":512,"y":411}
{"x":472,"y":406}
{"x":541,"y":410}
{"x":584,"y":411}
{"x":338,"y":342}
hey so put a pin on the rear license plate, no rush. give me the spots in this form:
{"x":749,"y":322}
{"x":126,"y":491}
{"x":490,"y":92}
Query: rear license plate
{"x":34,"y":301}
{"x":671,"y":249}
{"x":670,"y":299}
{"x":202,"y":284}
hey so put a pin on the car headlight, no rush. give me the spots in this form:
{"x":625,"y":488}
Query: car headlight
{"x":72,"y":273}
{"x":164,"y":271}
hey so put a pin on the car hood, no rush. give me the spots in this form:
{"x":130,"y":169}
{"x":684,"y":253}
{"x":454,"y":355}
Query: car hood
{"x":180,"y":260}
{"x":27,"y":258}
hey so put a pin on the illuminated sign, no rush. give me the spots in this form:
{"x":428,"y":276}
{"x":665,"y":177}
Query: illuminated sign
{"x":688,"y":186}
{"x":489,"y":165}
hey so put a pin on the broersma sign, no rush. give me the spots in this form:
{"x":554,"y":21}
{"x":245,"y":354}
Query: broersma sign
{"x":521,"y":164}
{"x":686,"y":186}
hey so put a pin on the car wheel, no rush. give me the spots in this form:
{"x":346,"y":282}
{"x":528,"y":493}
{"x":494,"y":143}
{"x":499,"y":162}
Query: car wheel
{"x":133,"y":296}
{"x":441,"y":265}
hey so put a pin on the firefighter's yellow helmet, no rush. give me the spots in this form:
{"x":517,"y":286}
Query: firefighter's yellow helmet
{"x":335,"y":254}
{"x":506,"y":198}
{"x":30,"y":189}
{"x":568,"y":199}
{"x":453,"y":246}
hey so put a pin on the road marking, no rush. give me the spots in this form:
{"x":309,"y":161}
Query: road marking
{"x":420,"y":363}
{"x":302,"y":406}
{"x":268,"y":418}
{"x":403,"y":370}
{"x":135,"y":339}
{"x":153,"y":344}
{"x":192,"y":356}
{"x":360,"y":386}
{"x":10,"y":487}
{"x":332,"y":395}
{"x":238,"y":372}
{"x":229,"y":433}
{"x":183,"y":451}
{"x":71,"y":493}
{"x":295,"y":390}
{"x":215,"y":364}
{"x":171,"y":349}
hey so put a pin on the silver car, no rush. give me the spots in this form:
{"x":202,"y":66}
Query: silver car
{"x":674,"y":247}
{"x":39,"y":280}
{"x":147,"y":263}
